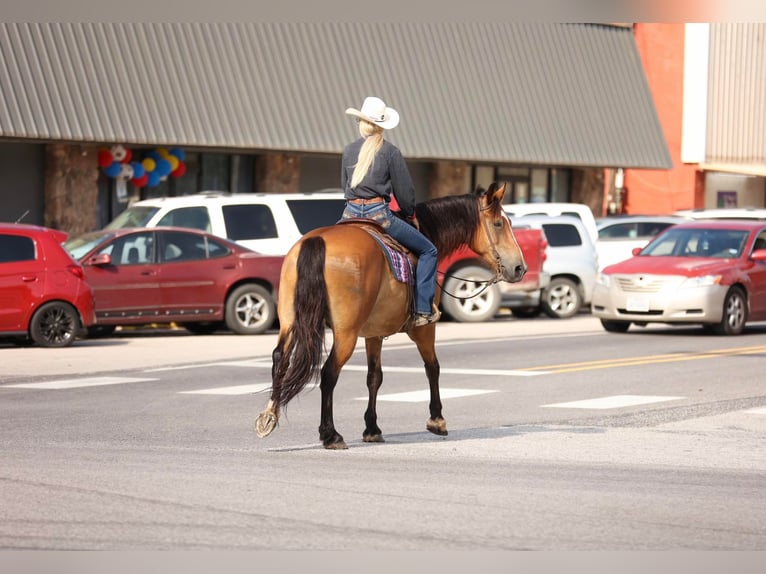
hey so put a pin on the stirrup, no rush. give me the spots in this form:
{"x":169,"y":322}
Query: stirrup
{"x":426,"y":319}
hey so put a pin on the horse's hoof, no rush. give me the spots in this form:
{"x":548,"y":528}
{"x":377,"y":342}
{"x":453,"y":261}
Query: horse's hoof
{"x":265,"y":423}
{"x":373,"y":438}
{"x":339,"y":445}
{"x":437,"y":426}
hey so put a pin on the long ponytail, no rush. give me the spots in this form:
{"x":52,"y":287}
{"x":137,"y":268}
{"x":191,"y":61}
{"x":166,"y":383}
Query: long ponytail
{"x":371,"y":145}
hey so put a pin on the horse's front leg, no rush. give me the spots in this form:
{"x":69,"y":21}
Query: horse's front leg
{"x":342,"y":349}
{"x":425,"y":339}
{"x":372,"y":432}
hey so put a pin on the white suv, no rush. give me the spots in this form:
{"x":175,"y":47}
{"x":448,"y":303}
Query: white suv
{"x":266,"y":223}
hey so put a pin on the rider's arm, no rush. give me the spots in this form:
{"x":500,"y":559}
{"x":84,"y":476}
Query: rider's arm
{"x":402,"y":185}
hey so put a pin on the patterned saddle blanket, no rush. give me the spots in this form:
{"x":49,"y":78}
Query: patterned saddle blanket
{"x":399,"y":258}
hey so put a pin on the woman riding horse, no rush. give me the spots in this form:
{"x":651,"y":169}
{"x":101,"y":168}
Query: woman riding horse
{"x":338,"y":277}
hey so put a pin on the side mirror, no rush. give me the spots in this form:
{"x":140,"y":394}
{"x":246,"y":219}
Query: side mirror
{"x":636,"y":250}
{"x":100,"y":260}
{"x":759,"y":255}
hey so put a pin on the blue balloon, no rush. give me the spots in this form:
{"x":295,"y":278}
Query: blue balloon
{"x":179,"y":153}
{"x":113,"y":169}
{"x":154,"y":154}
{"x":154,"y":179}
{"x":138,"y":169}
{"x":164,"y":167}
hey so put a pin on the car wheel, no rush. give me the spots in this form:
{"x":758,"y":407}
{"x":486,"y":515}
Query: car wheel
{"x":734,"y":313}
{"x":202,"y":328}
{"x":467,"y":298}
{"x":561,"y":298}
{"x":55,"y":324}
{"x":526,"y":312}
{"x":97,"y":331}
{"x":250,"y":310}
{"x":615,"y":326}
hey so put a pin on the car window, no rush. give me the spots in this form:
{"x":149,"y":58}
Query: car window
{"x":650,"y":229}
{"x":760,"y":243}
{"x":718,"y":243}
{"x":196,"y":217}
{"x":562,"y":235}
{"x":178,"y":246}
{"x":216,"y":249}
{"x":311,"y":213}
{"x":619,"y":230}
{"x":16,"y":248}
{"x":133,"y":249}
{"x":136,"y":216}
{"x":249,"y":222}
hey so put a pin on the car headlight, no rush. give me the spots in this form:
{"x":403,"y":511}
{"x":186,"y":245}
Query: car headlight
{"x":701,"y":281}
{"x":604,"y":280}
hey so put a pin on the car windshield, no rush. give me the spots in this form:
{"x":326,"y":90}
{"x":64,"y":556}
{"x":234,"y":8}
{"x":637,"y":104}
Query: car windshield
{"x":136,"y":216}
{"x":78,"y":246}
{"x":698,"y":242}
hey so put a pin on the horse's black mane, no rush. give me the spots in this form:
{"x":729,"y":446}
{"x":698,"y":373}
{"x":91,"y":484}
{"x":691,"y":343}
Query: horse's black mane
{"x":450,"y":222}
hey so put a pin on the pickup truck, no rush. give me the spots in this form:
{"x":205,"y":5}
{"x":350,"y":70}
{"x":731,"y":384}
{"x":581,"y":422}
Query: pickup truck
{"x":466,"y":297}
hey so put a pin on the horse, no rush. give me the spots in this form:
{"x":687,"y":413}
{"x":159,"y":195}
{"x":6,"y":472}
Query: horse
{"x":338,"y":277}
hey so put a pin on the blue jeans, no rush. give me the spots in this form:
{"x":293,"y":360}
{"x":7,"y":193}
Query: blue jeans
{"x":412,"y":239}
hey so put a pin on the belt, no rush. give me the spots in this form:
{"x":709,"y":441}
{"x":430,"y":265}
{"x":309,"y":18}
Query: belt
{"x":360,"y":201}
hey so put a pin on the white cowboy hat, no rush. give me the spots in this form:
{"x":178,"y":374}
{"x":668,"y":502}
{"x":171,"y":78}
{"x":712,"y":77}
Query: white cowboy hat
{"x":374,"y":110}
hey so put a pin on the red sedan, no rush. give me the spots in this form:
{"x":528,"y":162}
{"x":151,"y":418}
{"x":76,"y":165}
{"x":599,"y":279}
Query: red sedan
{"x":43,"y":293}
{"x":711,"y":273}
{"x":168,"y":274}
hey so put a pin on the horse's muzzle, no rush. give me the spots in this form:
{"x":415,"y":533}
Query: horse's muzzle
{"x":514,"y":274}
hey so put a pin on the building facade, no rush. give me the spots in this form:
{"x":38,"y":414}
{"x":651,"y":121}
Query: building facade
{"x":90,"y":112}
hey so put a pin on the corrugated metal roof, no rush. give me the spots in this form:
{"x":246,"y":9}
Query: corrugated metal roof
{"x":557,"y":94}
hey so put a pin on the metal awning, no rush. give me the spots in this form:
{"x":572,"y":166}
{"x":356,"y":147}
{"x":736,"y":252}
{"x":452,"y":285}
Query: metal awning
{"x":522,"y":93}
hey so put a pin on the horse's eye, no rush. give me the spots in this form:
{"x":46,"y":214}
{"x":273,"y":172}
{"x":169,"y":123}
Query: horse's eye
{"x":499,"y":224}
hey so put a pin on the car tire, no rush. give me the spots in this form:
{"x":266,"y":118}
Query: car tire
{"x":202,"y":328}
{"x":55,"y":324}
{"x":460,"y":299}
{"x":734,"y":313}
{"x":615,"y":326}
{"x":250,"y":310}
{"x":526,"y":312}
{"x":561,"y":299}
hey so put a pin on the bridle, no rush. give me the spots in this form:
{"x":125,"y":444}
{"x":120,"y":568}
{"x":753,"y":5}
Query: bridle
{"x":495,"y":255}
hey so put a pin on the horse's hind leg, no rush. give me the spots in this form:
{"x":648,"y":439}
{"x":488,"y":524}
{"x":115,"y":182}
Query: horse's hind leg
{"x":267,"y":421}
{"x":343,"y":347}
{"x":372,"y":432}
{"x":425,"y":339}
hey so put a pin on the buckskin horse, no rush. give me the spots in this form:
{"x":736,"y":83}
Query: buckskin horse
{"x":339,"y":277}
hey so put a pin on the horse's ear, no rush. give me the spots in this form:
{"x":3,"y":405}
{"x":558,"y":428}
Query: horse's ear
{"x":497,"y":193}
{"x":492,"y":187}
{"x":479,"y":190}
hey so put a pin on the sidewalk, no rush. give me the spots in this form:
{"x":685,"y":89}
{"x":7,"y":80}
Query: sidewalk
{"x":165,"y":347}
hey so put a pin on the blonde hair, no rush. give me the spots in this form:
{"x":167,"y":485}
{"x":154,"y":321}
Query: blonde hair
{"x":370,"y":147}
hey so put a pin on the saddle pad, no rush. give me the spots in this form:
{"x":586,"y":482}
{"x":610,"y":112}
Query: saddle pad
{"x":399,"y":262}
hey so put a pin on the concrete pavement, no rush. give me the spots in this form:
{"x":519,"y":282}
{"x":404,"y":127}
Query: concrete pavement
{"x":150,"y":348}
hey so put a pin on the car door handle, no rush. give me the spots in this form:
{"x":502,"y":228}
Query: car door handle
{"x":148,"y":273}
{"x":28,"y":278}
{"x":229,"y":266}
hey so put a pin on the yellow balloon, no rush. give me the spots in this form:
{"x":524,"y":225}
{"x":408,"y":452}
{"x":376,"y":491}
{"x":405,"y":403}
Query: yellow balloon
{"x":163,"y":152}
{"x":173,"y":162}
{"x":149,"y":164}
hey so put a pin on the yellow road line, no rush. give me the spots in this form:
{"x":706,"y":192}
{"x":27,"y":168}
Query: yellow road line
{"x":646,"y":360}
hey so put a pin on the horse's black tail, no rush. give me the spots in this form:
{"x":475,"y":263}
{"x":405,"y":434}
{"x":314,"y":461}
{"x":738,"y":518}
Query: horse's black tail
{"x":298,"y":363}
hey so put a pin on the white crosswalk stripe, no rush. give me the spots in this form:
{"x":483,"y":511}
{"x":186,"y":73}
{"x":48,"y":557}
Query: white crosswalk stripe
{"x":424,"y":396}
{"x":613,"y":402}
{"x":78,"y":383}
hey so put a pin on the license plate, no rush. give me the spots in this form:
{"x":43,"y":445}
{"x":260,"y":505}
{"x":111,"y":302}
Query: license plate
{"x":638,"y":304}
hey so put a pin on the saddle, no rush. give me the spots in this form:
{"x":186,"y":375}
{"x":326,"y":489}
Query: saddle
{"x":401,"y":259}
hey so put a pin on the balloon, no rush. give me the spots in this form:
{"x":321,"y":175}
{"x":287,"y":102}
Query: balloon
{"x":140,"y":181}
{"x":105,"y":158}
{"x":180,"y":170}
{"x":163,"y":167}
{"x":163,"y":152}
{"x":173,"y":162}
{"x":154,"y":154}
{"x":119,"y":152}
{"x":128,"y":156}
{"x":149,"y":164}
{"x":113,"y":169}
{"x":138,"y":169}
{"x":178,"y":152}
{"x":154,"y":179}
{"x":126,"y":171}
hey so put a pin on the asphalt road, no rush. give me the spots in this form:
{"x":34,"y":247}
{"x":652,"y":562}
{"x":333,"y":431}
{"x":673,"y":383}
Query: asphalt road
{"x":561,"y":437}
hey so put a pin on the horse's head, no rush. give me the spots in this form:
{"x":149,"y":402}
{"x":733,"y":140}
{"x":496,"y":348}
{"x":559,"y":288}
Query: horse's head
{"x":494,"y":239}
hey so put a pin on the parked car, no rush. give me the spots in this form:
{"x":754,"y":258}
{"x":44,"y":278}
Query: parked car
{"x":758,"y":213}
{"x":469,"y":297}
{"x":554,"y":209}
{"x":571,"y":262}
{"x":618,"y":235}
{"x":44,"y":297}
{"x":711,"y":273}
{"x":269,"y":223}
{"x":200,"y":281}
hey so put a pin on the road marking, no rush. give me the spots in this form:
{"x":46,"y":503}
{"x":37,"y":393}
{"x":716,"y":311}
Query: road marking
{"x":77,"y":383}
{"x":646,"y":360}
{"x":757,"y":411}
{"x":425,"y":396}
{"x":614,"y":402}
{"x":235,"y":390}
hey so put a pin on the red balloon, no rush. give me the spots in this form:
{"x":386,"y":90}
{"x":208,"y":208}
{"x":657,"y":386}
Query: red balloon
{"x":180,"y":170}
{"x":128,"y":155}
{"x":140,"y":181}
{"x":105,"y":158}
